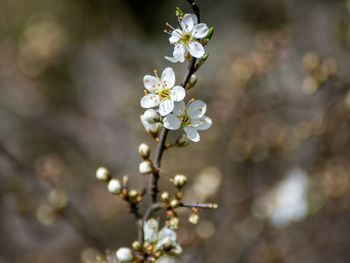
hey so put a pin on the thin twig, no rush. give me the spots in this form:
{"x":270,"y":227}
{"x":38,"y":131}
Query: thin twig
{"x":70,"y":213}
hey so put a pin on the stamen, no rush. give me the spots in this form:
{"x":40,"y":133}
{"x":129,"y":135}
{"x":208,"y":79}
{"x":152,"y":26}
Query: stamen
{"x":167,"y":24}
{"x":156,"y":73}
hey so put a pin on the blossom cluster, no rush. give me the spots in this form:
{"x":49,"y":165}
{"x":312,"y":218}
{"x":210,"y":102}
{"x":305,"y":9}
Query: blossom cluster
{"x":164,"y":99}
{"x":166,"y":109}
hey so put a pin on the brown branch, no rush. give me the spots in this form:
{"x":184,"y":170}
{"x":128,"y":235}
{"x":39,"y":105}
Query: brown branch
{"x":153,"y":188}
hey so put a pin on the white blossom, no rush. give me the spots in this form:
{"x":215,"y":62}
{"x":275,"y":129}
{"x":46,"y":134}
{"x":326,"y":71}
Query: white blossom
{"x":162,"y":92}
{"x":114,"y":186}
{"x":102,"y":174}
{"x":185,"y":40}
{"x":151,"y":121}
{"x":124,"y":255}
{"x":191,"y":118}
{"x":163,"y":240}
{"x":145,"y":167}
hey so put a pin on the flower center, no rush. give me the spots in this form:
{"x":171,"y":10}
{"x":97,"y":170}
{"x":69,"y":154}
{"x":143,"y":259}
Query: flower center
{"x":186,"y":38}
{"x":185,"y":120}
{"x":164,"y":93}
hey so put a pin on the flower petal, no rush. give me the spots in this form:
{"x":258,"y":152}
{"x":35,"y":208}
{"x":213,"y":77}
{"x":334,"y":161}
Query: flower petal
{"x":202,"y":124}
{"x":179,"y":53}
{"x":151,"y":83}
{"x":177,"y":93}
{"x":166,"y":259}
{"x":150,"y":230}
{"x":171,"y":59}
{"x":165,"y":233}
{"x":196,"y":49}
{"x":188,"y":22}
{"x":149,"y":101}
{"x":200,"y":30}
{"x":192,"y":134}
{"x":196,"y":109}
{"x":175,"y":36}
{"x":168,"y":78}
{"x":171,"y":122}
{"x":179,"y":108}
{"x":166,"y":107}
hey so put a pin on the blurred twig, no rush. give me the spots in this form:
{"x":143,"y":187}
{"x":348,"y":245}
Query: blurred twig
{"x":70,"y":213}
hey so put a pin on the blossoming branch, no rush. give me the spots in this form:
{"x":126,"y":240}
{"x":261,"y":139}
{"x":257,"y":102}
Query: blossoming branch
{"x":167,"y":109}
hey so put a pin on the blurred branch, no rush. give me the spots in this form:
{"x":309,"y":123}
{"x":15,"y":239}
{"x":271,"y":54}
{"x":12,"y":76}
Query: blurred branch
{"x":70,"y":213}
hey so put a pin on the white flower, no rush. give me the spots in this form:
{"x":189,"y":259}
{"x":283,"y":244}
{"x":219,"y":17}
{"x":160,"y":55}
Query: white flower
{"x":145,"y":167}
{"x":191,"y":118}
{"x":162,"y":92}
{"x":102,"y":174}
{"x":163,"y":240}
{"x":124,"y":254}
{"x":114,"y":186}
{"x":186,"y":40}
{"x":150,"y":120}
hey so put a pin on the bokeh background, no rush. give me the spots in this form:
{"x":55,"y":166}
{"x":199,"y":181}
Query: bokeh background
{"x":276,"y":159}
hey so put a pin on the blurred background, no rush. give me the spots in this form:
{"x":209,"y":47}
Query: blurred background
{"x":276,"y":159}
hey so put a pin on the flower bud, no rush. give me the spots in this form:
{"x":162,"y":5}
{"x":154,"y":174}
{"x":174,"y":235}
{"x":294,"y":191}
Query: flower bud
{"x":114,"y":186}
{"x":210,"y":34}
{"x":174,"y":203}
{"x":144,"y":151}
{"x":194,"y":218}
{"x":136,"y":245}
{"x":145,"y":167}
{"x":103,"y":174}
{"x":124,"y":255}
{"x":192,"y":82}
{"x":151,"y":116}
{"x":180,"y":180}
{"x":182,"y":141}
{"x":133,"y":195}
{"x":173,"y":223}
{"x":202,"y":60}
{"x":165,"y":196}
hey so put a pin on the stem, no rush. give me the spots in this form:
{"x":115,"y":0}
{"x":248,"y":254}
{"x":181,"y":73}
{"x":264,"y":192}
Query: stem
{"x":153,"y":186}
{"x":191,"y":69}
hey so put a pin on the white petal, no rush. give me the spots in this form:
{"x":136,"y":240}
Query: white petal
{"x":202,"y":124}
{"x":168,"y":77}
{"x":188,"y":22}
{"x":192,"y":134}
{"x":166,"y":107}
{"x":166,"y":259}
{"x":200,"y":30}
{"x":196,"y":109}
{"x":196,"y":49}
{"x":175,"y":36}
{"x":167,"y":233}
{"x":177,"y":93}
{"x":151,"y":83}
{"x":179,"y":108}
{"x":150,"y":230}
{"x":171,"y":122}
{"x":150,"y":101}
{"x":179,"y":53}
{"x":171,"y":59}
